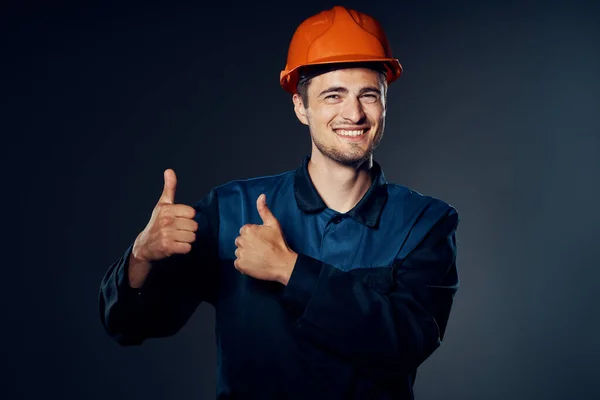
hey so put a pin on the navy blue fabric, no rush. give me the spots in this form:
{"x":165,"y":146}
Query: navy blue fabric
{"x":368,"y":300}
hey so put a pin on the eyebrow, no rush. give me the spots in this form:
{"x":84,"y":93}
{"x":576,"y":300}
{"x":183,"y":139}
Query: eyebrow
{"x":341,"y":89}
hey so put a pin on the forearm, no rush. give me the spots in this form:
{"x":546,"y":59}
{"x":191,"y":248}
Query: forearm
{"x":120,"y":305}
{"x":371,"y":326}
{"x":171,"y":291}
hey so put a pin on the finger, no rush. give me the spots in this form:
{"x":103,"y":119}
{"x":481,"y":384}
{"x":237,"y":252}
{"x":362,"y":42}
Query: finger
{"x":180,"y":248}
{"x":183,"y":237}
{"x":238,"y":241}
{"x":185,"y":224}
{"x":168,"y":193}
{"x":238,"y":265}
{"x":180,"y":211}
{"x":263,"y":210}
{"x":245,"y":229}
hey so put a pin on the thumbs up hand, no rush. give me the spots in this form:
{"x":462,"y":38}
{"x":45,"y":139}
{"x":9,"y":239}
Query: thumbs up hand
{"x":171,"y":229}
{"x":262,"y":251}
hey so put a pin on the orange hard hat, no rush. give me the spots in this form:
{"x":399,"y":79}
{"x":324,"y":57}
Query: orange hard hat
{"x":339,"y":35}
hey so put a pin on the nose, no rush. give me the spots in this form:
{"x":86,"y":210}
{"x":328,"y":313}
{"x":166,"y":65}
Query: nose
{"x":353,"y":110}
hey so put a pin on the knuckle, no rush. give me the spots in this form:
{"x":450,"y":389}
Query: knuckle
{"x":165,"y":220}
{"x":164,"y":244}
{"x":164,"y":250}
{"x":162,"y":208}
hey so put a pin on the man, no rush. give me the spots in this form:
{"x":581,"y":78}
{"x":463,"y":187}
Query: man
{"x":328,"y":282}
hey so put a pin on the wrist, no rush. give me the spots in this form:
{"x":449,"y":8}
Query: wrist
{"x":136,"y":255}
{"x":137,"y":271}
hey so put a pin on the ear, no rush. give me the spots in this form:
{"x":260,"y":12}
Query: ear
{"x":299,"y":109}
{"x":385,"y":91}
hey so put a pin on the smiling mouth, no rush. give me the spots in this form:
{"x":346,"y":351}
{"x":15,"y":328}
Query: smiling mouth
{"x":350,"y":132}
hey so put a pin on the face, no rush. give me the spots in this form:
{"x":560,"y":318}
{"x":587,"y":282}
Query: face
{"x":345,"y":114}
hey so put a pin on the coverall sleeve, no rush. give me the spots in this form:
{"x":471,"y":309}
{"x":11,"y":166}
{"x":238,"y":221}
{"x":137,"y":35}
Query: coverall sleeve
{"x":172,"y":291}
{"x":384,"y":325}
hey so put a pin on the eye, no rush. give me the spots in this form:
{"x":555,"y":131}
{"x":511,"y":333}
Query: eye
{"x":332,"y":96}
{"x":370,"y":97}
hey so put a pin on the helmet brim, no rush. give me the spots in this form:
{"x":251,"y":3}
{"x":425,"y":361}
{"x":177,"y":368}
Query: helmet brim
{"x":289,"y":78}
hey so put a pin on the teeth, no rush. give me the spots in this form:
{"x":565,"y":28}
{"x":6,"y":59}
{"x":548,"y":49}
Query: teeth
{"x":351,"y":133}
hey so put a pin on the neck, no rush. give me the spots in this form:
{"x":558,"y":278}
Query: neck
{"x":340,"y":186}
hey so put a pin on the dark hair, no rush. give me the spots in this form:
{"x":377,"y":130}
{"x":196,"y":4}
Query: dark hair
{"x":306,"y":74}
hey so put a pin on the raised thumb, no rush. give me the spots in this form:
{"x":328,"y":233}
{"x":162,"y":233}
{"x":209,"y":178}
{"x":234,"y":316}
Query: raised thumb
{"x":263,"y":210}
{"x":168,"y":193}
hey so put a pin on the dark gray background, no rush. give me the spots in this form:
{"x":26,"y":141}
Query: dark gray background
{"x":497,"y":113}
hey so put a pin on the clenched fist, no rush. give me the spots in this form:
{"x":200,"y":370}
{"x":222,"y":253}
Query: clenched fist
{"x":171,"y":229}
